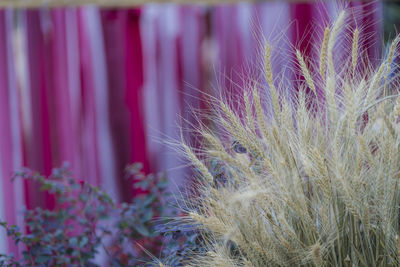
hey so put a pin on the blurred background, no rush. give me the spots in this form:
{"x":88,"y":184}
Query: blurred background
{"x":101,"y":88}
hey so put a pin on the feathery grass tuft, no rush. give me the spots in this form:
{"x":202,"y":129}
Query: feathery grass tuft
{"x":310,"y":184}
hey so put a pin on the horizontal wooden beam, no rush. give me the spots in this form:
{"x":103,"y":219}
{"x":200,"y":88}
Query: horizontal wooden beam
{"x":131,"y":3}
{"x":102,"y":3}
{"x":112,"y":3}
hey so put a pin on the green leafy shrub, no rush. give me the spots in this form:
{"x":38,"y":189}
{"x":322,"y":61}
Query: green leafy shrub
{"x":87,"y":221}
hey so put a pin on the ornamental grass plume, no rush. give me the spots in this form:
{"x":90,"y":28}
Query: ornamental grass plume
{"x":311,"y":173}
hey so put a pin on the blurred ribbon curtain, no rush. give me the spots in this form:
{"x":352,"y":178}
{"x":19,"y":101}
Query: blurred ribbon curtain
{"x":102,"y":88}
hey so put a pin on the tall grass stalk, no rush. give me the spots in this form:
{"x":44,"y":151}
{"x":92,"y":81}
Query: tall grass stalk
{"x":317,"y":182}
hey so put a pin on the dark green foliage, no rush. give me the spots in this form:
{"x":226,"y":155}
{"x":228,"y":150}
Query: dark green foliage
{"x":182,"y":242}
{"x":86,"y":221}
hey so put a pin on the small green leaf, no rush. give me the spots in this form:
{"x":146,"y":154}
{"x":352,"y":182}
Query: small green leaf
{"x":73,"y":241}
{"x":150,"y":198}
{"x":42,"y":258}
{"x":148,"y":215}
{"x":83,"y":241}
{"x":46,"y":187}
{"x":141,"y":229}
